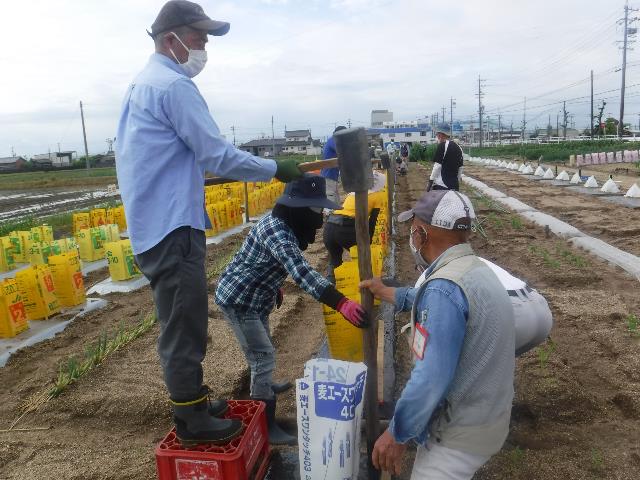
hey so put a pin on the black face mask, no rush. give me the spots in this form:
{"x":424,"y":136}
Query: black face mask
{"x":302,"y":220}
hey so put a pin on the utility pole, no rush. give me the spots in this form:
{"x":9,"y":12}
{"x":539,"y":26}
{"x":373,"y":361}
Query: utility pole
{"x":480,"y":108}
{"x":565,"y":115}
{"x":84,"y":134}
{"x":59,"y":147}
{"x":444,"y":109}
{"x":625,"y":42}
{"x":273,"y":139}
{"x":453,"y":103}
{"x":558,"y":124}
{"x":499,"y":129}
{"x":349,"y":123}
{"x":524,"y":119}
{"x":591,"y":118}
{"x":233,"y":131}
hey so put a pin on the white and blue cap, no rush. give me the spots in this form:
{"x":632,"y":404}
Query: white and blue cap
{"x":446,"y":209}
{"x":308,"y":191}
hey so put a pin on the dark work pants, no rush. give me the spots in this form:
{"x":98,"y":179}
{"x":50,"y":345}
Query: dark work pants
{"x":176,"y":269}
{"x":337,"y":238}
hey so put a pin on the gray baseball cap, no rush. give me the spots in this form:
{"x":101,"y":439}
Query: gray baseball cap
{"x":177,"y":13}
{"x":446,"y":209}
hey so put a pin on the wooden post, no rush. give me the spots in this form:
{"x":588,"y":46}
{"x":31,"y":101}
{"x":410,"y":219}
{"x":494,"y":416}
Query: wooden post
{"x":247,"y":218}
{"x":391,"y":185}
{"x":369,"y":334}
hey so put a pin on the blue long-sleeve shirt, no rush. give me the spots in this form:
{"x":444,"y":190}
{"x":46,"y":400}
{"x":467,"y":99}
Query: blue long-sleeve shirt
{"x":329,"y":151}
{"x":443,"y":311}
{"x":165,"y":142}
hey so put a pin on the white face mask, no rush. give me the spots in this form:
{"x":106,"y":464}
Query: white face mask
{"x":195,"y":62}
{"x":421,"y":263}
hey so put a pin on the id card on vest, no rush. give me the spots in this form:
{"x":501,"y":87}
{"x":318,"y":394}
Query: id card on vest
{"x":420,"y":339}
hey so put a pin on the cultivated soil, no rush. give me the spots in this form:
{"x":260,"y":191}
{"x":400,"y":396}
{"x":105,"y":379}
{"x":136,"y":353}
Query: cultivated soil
{"x":577,"y":408}
{"x":106,"y":425}
{"x":576,"y":413}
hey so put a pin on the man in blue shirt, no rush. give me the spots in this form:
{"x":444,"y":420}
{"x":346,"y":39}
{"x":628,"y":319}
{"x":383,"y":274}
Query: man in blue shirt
{"x":457,"y":403}
{"x":331,"y":175}
{"x":166,"y":141}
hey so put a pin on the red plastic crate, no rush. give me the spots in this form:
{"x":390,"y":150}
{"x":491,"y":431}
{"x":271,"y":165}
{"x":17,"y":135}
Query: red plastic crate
{"x":244,"y":458}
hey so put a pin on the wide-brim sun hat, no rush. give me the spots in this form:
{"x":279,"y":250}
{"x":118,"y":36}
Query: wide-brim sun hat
{"x":308,"y":191}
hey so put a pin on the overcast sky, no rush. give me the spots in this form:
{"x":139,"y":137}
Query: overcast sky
{"x":313,"y":63}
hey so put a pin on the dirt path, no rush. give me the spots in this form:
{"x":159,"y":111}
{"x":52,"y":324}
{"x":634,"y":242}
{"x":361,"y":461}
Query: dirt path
{"x":577,"y":408}
{"x":106,"y":425}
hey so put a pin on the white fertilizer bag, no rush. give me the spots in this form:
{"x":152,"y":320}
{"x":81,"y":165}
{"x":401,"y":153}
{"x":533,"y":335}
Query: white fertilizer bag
{"x":548,"y":175}
{"x":539,"y":171}
{"x":610,"y":187}
{"x":563,"y":175}
{"x":633,"y":192}
{"x":575,"y":179}
{"x":329,"y":400}
{"x":522,"y":167}
{"x":527,"y":170}
{"x":591,"y":182}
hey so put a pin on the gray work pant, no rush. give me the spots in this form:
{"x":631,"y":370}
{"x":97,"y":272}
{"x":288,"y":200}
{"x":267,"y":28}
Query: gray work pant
{"x":176,"y":269}
{"x":252,"y":331}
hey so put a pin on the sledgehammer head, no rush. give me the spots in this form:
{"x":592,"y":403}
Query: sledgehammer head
{"x":353,"y":159}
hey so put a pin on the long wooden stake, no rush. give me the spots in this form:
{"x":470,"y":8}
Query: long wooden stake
{"x":247,"y":217}
{"x":369,"y":334}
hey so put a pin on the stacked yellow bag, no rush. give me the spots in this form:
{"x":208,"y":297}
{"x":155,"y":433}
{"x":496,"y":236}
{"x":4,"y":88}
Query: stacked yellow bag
{"x":119,"y":217}
{"x":110,"y":232}
{"x":81,"y":221}
{"x":345,"y":340}
{"x":39,"y":253}
{"x":120,"y":258}
{"x":67,"y":278}
{"x":98,"y":217}
{"x":7,"y":261}
{"x":13,"y":317}
{"x":91,"y":244}
{"x":42,"y":233}
{"x":38,"y":292}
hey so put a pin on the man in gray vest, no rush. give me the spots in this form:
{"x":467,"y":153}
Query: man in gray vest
{"x":457,"y":403}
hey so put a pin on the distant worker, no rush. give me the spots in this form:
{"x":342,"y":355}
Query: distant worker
{"x":331,"y":175}
{"x":339,"y":232}
{"x":167,"y":140}
{"x":456,"y":404}
{"x":447,"y":164}
{"x":404,"y":151}
{"x":251,"y":285}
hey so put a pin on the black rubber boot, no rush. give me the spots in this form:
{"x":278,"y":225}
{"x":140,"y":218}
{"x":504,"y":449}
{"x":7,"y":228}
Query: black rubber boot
{"x":277,"y":436}
{"x":281,"y":387}
{"x":195,"y":424}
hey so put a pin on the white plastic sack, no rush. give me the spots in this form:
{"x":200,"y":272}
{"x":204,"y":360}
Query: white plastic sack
{"x":329,"y":401}
{"x":610,"y":187}
{"x":548,"y":175}
{"x":633,"y":192}
{"x":527,"y":170}
{"x":539,"y":171}
{"x":591,"y":182}
{"x":575,"y":179}
{"x":563,"y":175}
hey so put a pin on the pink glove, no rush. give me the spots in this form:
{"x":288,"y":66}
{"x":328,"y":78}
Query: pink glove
{"x":353,"y":312}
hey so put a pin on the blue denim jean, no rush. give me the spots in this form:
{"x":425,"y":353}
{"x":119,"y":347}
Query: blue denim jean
{"x":252,"y":332}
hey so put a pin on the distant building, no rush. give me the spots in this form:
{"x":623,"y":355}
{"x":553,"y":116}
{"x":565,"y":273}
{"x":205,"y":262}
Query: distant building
{"x":54,"y":159}
{"x":409,"y":132}
{"x":264,"y":147}
{"x":379,"y":117}
{"x":12,"y":163}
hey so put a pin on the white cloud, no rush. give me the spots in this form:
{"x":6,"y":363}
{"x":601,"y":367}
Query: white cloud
{"x":308,"y":62}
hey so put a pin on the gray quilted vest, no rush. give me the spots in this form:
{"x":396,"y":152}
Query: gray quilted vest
{"x":475,"y":416}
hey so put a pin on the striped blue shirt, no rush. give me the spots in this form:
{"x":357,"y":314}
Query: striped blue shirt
{"x":270,"y":252}
{"x":166,"y":140}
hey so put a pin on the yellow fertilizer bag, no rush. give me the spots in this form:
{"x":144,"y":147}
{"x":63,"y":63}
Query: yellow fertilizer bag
{"x":98,"y":217}
{"x":39,"y":253}
{"x":119,"y":217}
{"x":16,"y":248}
{"x":7,"y":261}
{"x":120,"y":258}
{"x":111,"y":233}
{"x":212,"y":212}
{"x":24,"y":239}
{"x":67,"y":278}
{"x":89,"y":244}
{"x":13,"y":316}
{"x":344,"y":339}
{"x":222,"y":215}
{"x":38,"y":292}
{"x":81,"y":221}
